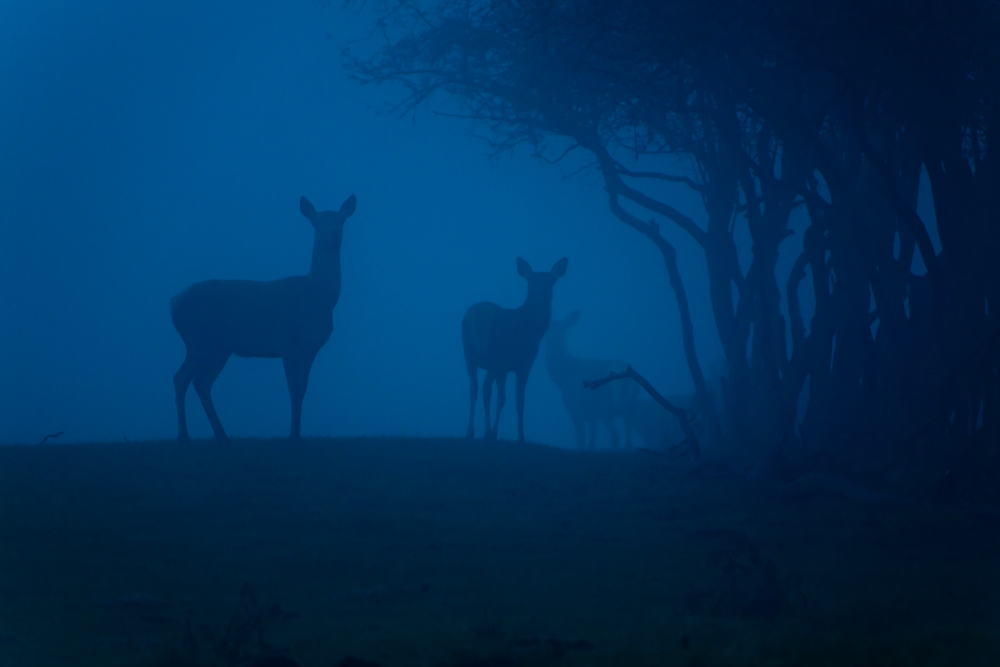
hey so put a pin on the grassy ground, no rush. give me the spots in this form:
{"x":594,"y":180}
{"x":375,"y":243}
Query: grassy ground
{"x":445,"y":552}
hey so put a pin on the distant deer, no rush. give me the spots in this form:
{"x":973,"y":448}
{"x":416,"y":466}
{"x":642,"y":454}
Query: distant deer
{"x":291,"y":318}
{"x":589,"y":407}
{"x":504,"y":340}
{"x":659,"y":429}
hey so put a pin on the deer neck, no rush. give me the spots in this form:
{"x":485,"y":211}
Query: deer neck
{"x":557,"y":358}
{"x":535,"y":316}
{"x":325,"y":273}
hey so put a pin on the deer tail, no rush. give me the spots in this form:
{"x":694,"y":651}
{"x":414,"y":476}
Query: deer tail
{"x":175,"y":302}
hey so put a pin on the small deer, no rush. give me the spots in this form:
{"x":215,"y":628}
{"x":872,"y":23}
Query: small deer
{"x":589,"y":407}
{"x":291,"y":318}
{"x":502,"y":340}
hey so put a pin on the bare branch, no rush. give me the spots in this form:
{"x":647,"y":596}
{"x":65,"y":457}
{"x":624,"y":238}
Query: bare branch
{"x":689,"y":435}
{"x":659,"y":176}
{"x":558,"y":159}
{"x":616,"y":186}
{"x":585,"y":167}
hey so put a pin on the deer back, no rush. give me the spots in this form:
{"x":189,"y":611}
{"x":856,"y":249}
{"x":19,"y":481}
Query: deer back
{"x":254,"y":319}
{"x":569,"y":372}
{"x":275,"y":318}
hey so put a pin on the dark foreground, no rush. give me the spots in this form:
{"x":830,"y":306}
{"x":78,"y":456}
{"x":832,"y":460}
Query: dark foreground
{"x":444,"y":552}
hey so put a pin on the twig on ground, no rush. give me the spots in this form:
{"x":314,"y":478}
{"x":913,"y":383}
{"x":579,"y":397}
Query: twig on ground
{"x":50,"y":435}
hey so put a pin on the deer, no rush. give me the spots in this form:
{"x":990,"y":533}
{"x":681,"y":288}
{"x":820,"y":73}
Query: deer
{"x":290,"y":319}
{"x":589,"y":407}
{"x":504,"y":340}
{"x":659,"y":429}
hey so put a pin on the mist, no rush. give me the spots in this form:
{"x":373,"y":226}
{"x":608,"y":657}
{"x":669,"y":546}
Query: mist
{"x":150,"y":146}
{"x":758,"y":238}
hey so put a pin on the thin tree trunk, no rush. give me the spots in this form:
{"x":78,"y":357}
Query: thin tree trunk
{"x":615,"y":187}
{"x":652,"y":231}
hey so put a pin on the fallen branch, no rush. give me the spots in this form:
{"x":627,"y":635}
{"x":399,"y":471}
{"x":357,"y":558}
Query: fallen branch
{"x":690,"y":439}
{"x":50,"y":435}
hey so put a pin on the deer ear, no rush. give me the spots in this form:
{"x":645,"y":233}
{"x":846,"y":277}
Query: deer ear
{"x":347,"y":208}
{"x":307,"y":209}
{"x":523,"y":268}
{"x":559,"y":268}
{"x":572,"y":318}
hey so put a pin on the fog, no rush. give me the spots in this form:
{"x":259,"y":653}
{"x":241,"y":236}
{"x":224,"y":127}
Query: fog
{"x":148,"y":146}
{"x":819,"y":483}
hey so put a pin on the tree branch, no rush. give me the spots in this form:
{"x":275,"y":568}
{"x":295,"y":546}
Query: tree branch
{"x":616,"y":186}
{"x":890,"y":191}
{"x":690,"y":438}
{"x":798,"y":273}
{"x":659,"y":176}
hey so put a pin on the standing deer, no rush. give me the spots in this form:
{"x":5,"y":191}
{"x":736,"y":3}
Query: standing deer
{"x":502,"y":340}
{"x":291,"y":318}
{"x":589,"y":407}
{"x":659,"y":429}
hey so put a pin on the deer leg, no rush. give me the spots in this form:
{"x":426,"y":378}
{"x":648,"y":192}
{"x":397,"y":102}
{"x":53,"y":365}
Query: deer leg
{"x":612,"y":428}
{"x":473,"y":391}
{"x":182,"y":379}
{"x":627,"y":420}
{"x":501,"y":400}
{"x":578,"y":426}
{"x":297,"y":375}
{"x":522,"y":381}
{"x":487,"y":397}
{"x":203,"y":382}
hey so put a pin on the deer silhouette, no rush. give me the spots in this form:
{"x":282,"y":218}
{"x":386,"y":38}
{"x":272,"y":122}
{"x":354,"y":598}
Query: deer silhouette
{"x":589,"y":407}
{"x":505,"y":340}
{"x":291,"y":318}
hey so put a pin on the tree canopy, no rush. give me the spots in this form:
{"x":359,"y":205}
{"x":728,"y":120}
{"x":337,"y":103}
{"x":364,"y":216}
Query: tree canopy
{"x":838,"y":107}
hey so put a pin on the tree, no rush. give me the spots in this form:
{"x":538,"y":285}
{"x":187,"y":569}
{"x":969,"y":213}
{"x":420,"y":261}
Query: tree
{"x":836,"y":107}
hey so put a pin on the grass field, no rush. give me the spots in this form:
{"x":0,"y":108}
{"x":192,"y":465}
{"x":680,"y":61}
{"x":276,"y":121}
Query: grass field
{"x":446,"y":552}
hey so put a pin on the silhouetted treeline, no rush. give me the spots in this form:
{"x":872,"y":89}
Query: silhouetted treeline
{"x":833,"y":106}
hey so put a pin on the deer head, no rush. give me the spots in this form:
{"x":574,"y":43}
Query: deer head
{"x":556,"y":335}
{"x":540,"y":283}
{"x":329,"y":225}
